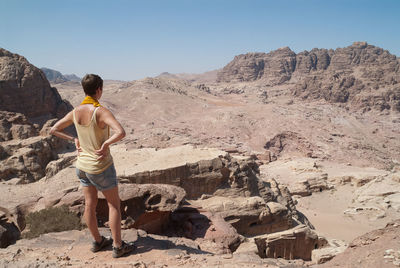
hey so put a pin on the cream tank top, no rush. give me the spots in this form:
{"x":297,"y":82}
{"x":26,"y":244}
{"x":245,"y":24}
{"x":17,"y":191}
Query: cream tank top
{"x":91,"y":137}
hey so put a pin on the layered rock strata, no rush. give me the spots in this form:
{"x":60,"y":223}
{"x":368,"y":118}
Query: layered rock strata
{"x":296,"y":243}
{"x":220,"y":184}
{"x":24,"y":154}
{"x":365,"y":75}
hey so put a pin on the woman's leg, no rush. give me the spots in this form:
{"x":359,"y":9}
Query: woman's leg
{"x":114,"y":215}
{"x":90,"y":193}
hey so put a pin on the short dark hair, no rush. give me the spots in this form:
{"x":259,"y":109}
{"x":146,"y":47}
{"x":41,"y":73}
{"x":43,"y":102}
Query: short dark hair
{"x":90,"y":83}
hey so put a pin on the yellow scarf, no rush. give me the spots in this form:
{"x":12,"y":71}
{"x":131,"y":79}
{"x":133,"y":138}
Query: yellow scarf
{"x":90,"y":100}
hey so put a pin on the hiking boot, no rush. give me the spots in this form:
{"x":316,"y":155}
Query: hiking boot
{"x":105,"y":241}
{"x":123,"y":249}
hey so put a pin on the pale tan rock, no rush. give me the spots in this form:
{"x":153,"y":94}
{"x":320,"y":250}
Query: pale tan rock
{"x":149,"y":206}
{"x":249,"y":216}
{"x":209,"y":229}
{"x":27,"y":159}
{"x":298,"y":242}
{"x":329,"y":251}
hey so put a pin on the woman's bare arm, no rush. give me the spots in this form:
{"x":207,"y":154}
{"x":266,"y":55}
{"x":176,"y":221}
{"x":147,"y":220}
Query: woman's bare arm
{"x":108,"y":118}
{"x":63,"y":123}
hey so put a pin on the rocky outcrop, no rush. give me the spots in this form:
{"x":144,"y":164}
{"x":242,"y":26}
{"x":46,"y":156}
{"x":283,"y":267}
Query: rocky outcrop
{"x":27,"y":159}
{"x":25,"y":89}
{"x":275,"y":67}
{"x":361,"y":74}
{"x":143,"y":206}
{"x":296,"y":243}
{"x":221,"y":184}
{"x":15,"y":126}
{"x":249,"y":216}
{"x":306,"y":187}
{"x":291,"y":142}
{"x":209,"y":229}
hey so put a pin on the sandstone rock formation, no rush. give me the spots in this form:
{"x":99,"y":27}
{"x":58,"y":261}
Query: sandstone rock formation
{"x":289,"y":141}
{"x":275,"y":67}
{"x":25,"y":97}
{"x":27,"y":159}
{"x":361,"y":74}
{"x":15,"y":126}
{"x":147,"y":206}
{"x":296,"y":243}
{"x":209,"y":229}
{"x":25,"y":89}
{"x":219,"y":178}
{"x":249,"y":215}
{"x":71,"y":248}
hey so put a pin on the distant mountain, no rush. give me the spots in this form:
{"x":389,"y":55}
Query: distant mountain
{"x":361,"y":75}
{"x":207,"y":77}
{"x":72,"y":77}
{"x":56,"y":77}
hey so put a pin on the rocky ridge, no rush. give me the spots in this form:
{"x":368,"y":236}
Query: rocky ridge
{"x":363,"y":75}
{"x":25,"y":97}
{"x":56,"y":77}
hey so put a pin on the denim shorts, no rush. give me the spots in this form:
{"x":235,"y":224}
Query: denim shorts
{"x":103,"y":181}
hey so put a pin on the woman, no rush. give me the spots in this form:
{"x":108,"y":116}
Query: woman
{"x":94,"y":165}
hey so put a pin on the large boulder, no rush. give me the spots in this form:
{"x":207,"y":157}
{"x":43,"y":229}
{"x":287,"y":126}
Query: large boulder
{"x":145,"y":206}
{"x":209,"y":229}
{"x":25,"y":89}
{"x":198,"y":171}
{"x":296,"y":243}
{"x":249,"y":215}
{"x":15,"y":126}
{"x":216,"y":182}
{"x":27,"y":159}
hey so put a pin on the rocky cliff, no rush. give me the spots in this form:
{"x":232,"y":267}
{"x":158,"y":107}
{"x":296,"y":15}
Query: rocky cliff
{"x":25,"y":97}
{"x":25,"y":89}
{"x":363,"y":75}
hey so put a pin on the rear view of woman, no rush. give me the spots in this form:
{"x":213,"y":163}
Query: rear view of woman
{"x":95,"y":167}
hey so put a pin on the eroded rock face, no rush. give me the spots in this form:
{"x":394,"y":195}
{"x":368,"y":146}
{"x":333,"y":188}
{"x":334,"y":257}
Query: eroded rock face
{"x":361,"y":74}
{"x":225,"y":185}
{"x":275,"y":67}
{"x":289,"y":141}
{"x":15,"y":126}
{"x":249,"y":215}
{"x":209,"y":229}
{"x":27,"y":159}
{"x":296,"y":243}
{"x":148,"y":206}
{"x":25,"y":89}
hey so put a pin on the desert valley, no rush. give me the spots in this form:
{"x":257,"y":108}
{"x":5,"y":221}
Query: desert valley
{"x":277,"y":159}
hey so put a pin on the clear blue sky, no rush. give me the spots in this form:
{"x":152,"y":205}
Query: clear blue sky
{"x":130,"y":40}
